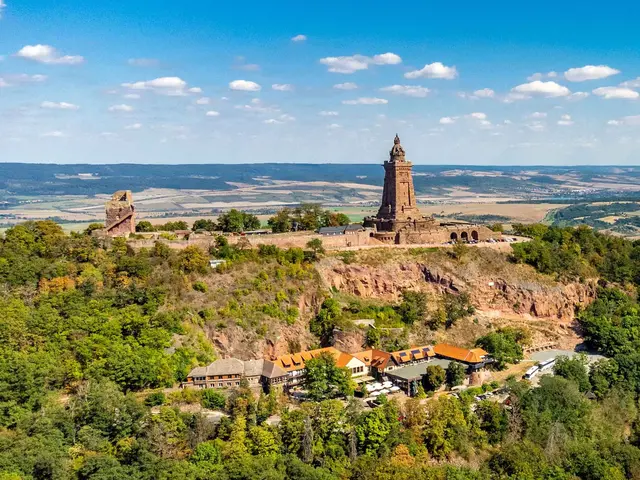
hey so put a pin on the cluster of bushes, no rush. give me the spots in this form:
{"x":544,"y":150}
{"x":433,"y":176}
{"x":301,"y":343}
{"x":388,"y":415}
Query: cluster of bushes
{"x":233,"y":221}
{"x":308,"y":216}
{"x":578,"y":253}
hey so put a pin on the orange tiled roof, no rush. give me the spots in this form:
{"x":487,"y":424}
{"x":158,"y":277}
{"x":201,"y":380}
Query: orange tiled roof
{"x":412,"y":354}
{"x":373,"y":358}
{"x":296,"y":361}
{"x":461,"y":354}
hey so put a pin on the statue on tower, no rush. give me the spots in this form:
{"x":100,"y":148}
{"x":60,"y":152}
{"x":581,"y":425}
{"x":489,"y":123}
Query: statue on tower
{"x":397,"y":152}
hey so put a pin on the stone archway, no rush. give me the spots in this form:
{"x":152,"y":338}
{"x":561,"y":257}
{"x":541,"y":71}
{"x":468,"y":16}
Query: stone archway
{"x":464,"y":236}
{"x":454,"y":237}
{"x":474,"y":235}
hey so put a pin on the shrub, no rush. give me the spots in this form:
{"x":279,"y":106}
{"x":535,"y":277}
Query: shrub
{"x":212,"y":399}
{"x":200,"y":287}
{"x":155,"y":399}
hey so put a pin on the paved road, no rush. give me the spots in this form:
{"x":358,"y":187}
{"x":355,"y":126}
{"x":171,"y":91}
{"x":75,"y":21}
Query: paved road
{"x":549,"y":354}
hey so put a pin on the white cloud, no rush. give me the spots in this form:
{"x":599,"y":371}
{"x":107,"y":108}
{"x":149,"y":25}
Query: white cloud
{"x":143,"y":62}
{"x":203,"y":101}
{"x":326,"y":113}
{"x":538,"y":115}
{"x":577,"y":96}
{"x":131,"y":96}
{"x":55,"y":133}
{"x":628,"y":120}
{"x":281,"y":119}
{"x":345,"y":86}
{"x":565,"y":120}
{"x":195,"y":90}
{"x":353,"y":63}
{"x":135,"y":126}
{"x":334,"y":126}
{"x":248,"y":67}
{"x":546,"y":89}
{"x":120,"y":108}
{"x":540,"y":76}
{"x":366,"y":101}
{"x":245,"y":86}
{"x":409,"y":90}
{"x":282,"y":87}
{"x":507,"y":122}
{"x":11,"y":80}
{"x":537,"y":126}
{"x":299,"y":38}
{"x":387,"y":59}
{"x":433,"y":70}
{"x":2,"y":7}
{"x":47,"y":54}
{"x":616,"y":92}
{"x":631,"y":83}
{"x":447,"y":120}
{"x":212,"y":113}
{"x":477,"y":116}
{"x":162,"y":85}
{"x":485,"y":93}
{"x":59,"y":105}
{"x":257,"y":106}
{"x":514,"y":97}
{"x":589,"y":72}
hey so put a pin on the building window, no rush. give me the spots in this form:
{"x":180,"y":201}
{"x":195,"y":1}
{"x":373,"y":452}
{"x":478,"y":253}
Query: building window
{"x":219,"y":385}
{"x":228,"y":384}
{"x":237,"y":384}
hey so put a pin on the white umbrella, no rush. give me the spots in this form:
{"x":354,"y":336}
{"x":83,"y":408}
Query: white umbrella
{"x":387,"y":384}
{"x":384,"y":391}
{"x":394,"y":389}
{"x":375,"y":394}
{"x":370,"y":388}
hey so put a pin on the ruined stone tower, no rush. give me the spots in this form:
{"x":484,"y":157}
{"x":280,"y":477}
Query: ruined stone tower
{"x":120,"y":213}
{"x":398,"y":195}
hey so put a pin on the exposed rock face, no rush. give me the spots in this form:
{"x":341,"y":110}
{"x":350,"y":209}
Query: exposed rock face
{"x":351,"y":341}
{"x":488,"y":291}
{"x":237,"y":342}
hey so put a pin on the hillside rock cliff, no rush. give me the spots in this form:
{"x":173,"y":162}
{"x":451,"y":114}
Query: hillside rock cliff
{"x":493,"y":286}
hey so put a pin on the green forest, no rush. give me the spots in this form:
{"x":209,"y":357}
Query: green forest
{"x":91,"y":335}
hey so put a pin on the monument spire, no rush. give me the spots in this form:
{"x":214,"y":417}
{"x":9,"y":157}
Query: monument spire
{"x":397,"y":152}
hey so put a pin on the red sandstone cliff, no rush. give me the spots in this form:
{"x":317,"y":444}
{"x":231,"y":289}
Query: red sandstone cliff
{"x":492,"y":283}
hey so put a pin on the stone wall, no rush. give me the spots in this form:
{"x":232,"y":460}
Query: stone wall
{"x":447,"y":233}
{"x":281,"y":240}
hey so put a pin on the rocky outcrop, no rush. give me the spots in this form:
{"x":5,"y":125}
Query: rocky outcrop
{"x":509,"y":289}
{"x":246,"y":345}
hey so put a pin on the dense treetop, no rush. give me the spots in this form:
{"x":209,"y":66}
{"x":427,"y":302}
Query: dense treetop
{"x":90,"y":333}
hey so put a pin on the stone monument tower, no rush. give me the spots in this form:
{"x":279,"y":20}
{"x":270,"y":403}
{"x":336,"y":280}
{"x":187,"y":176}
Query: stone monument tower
{"x":399,"y":220}
{"x":398,"y":195}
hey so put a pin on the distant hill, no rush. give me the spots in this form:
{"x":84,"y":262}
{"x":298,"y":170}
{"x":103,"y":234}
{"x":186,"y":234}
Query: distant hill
{"x":86,"y":179}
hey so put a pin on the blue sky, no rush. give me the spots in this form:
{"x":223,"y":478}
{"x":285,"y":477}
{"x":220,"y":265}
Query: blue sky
{"x":235,"y":82}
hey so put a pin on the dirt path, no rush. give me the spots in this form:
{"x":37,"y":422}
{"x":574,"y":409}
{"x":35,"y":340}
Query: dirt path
{"x":500,"y":246}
